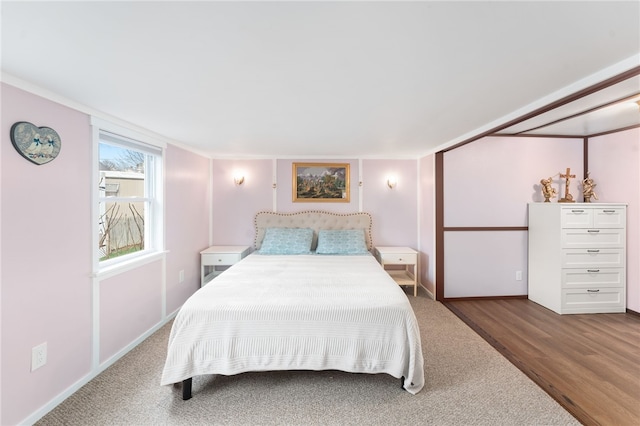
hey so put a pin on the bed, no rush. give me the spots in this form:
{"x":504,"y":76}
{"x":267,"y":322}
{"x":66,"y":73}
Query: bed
{"x":310,"y":297}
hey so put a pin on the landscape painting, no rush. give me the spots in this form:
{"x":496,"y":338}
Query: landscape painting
{"x":321,"y":182}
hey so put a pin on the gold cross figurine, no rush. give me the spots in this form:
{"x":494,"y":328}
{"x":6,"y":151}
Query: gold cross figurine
{"x":568,"y":198}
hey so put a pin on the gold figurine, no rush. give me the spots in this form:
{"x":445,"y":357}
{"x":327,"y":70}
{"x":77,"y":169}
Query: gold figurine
{"x":587,"y":189}
{"x":547,"y":190}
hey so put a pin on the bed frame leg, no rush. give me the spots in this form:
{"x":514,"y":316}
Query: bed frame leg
{"x":402,"y":382}
{"x":186,"y":389}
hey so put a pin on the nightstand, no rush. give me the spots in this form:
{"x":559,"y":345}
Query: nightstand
{"x":400,"y":256}
{"x":216,"y":259}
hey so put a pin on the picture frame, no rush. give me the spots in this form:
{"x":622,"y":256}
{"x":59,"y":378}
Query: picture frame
{"x":321,"y":182}
{"x":39,"y":145}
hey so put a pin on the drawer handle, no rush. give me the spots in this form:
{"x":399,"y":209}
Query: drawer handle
{"x":608,"y":211}
{"x":577,"y":211}
{"x":593,"y":230}
{"x":593,"y":251}
{"x":593,"y":270}
{"x":592,"y":291}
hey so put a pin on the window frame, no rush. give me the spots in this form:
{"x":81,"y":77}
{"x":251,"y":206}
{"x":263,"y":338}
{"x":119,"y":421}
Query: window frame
{"x":154,"y":194}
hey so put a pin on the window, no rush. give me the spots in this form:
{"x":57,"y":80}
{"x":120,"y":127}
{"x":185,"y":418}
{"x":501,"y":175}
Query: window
{"x":129,"y":208}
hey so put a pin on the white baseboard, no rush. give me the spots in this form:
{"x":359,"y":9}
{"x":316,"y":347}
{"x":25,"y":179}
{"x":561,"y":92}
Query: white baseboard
{"x":429,"y":294}
{"x":37,"y":415}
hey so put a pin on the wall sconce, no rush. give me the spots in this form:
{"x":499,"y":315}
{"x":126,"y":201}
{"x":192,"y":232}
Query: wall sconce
{"x":238,"y":179}
{"x":392,"y":182}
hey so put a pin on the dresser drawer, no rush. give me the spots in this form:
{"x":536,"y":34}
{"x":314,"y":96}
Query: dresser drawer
{"x":220,"y":258}
{"x":576,"y":218}
{"x":587,"y":238}
{"x":593,"y":217}
{"x":398,"y":258}
{"x":613,"y":217}
{"x":593,"y":277}
{"x":593,"y":258}
{"x":592,"y":300}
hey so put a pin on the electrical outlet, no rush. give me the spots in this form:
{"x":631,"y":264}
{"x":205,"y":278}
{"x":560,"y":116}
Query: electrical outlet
{"x":181,"y":276}
{"x":38,"y":356}
{"x":518,"y":275}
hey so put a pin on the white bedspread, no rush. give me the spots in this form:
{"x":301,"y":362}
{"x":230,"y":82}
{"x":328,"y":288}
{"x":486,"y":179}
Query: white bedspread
{"x":305,"y":312}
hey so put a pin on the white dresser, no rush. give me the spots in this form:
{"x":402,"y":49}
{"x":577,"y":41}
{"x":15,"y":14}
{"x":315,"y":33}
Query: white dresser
{"x":577,"y":257}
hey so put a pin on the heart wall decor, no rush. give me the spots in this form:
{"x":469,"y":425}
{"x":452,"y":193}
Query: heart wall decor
{"x":37,"y":144}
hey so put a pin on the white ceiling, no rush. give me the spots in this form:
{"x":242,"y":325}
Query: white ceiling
{"x":316,"y":79}
{"x":614,"y":107}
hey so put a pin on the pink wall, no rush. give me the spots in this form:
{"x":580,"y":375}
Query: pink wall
{"x":130,"y":304}
{"x":489,"y":183}
{"x":188,"y":201}
{"x":234,"y":206}
{"x":46,"y":263}
{"x":614,"y":164}
{"x":394,"y":211}
{"x":426,"y":243}
{"x":46,"y":257}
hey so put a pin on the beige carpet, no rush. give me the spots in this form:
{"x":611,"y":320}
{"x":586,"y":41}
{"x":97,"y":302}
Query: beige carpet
{"x":467,"y":383}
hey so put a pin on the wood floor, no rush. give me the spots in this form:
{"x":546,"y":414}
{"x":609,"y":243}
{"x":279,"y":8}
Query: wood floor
{"x":590,"y":364}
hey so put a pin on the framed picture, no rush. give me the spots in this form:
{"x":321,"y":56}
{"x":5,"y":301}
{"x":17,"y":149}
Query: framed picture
{"x":321,"y":182}
{"x":37,"y":144}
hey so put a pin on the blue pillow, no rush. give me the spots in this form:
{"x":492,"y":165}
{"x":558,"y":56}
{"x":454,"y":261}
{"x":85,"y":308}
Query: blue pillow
{"x":287,"y":241}
{"x":341,"y":241}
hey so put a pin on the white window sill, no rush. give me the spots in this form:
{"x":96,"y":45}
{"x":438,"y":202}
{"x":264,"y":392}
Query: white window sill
{"x":128,"y":265}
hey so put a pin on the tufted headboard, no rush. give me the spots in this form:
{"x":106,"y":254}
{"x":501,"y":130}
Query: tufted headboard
{"x":313,"y":219}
